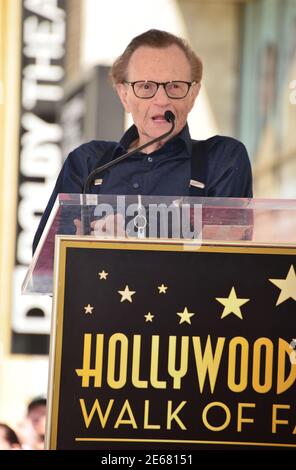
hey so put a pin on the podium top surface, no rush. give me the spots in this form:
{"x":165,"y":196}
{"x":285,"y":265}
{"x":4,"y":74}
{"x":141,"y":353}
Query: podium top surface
{"x":219,"y":221}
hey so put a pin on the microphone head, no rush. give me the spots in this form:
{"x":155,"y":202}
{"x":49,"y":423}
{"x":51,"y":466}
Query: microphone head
{"x":169,"y":116}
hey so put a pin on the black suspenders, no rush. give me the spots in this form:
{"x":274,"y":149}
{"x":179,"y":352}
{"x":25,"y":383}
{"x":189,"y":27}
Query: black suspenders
{"x":198,"y":169}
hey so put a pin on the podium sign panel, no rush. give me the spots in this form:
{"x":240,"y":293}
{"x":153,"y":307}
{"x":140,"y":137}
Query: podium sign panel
{"x":172,"y":345}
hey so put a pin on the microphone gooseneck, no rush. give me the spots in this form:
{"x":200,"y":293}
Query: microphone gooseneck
{"x":169,"y":116}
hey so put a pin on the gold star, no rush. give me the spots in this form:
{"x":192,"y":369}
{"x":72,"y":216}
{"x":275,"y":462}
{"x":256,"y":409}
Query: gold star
{"x":88,"y":308}
{"x":232,"y":304}
{"x":149,"y":317}
{"x":287,"y":286}
{"x":126,"y":294}
{"x":103,"y":274}
{"x":162,"y":289}
{"x":185,"y":316}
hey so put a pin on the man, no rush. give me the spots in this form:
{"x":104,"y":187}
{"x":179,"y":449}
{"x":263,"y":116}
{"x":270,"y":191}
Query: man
{"x":158,"y":72}
{"x":32,"y":429}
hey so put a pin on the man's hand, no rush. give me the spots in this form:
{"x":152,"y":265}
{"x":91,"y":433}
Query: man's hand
{"x":110,"y":226}
{"x":78,"y":225}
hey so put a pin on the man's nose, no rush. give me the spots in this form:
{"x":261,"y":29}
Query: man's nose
{"x":160,"y":95}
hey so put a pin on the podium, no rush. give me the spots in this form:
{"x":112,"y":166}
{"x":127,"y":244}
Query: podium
{"x":175,"y":328}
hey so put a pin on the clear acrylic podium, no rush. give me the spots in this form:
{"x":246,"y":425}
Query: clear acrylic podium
{"x":173,"y":328}
{"x":262,"y":222}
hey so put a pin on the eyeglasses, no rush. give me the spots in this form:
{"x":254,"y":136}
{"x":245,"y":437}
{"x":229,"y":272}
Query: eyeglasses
{"x":176,"y":89}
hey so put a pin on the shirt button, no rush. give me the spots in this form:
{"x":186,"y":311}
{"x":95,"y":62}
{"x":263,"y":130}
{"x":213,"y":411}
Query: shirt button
{"x":150,"y":159}
{"x":136,"y":185}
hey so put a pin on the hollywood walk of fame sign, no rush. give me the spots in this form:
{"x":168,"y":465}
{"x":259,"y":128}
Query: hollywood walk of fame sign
{"x":173,"y":346}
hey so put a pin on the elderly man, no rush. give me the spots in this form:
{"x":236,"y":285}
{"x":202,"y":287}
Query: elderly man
{"x":157,"y":72}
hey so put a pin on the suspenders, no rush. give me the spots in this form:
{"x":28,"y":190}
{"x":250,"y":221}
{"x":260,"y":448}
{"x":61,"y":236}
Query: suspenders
{"x":198,"y":169}
{"x":198,"y":181}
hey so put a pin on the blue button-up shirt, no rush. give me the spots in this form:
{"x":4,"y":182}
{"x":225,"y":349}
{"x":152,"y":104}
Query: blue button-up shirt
{"x":165,"y":171}
{"x":220,"y":163}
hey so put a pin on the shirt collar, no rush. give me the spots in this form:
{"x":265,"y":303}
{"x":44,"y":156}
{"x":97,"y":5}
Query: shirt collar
{"x":132,"y":134}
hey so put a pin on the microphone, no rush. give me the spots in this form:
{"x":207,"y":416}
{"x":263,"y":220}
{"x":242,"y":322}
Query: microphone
{"x":169,"y":116}
{"x":85,"y":216}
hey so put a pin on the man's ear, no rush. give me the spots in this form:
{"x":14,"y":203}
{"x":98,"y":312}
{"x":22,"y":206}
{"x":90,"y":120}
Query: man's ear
{"x":122,"y":93}
{"x":194,"y":94}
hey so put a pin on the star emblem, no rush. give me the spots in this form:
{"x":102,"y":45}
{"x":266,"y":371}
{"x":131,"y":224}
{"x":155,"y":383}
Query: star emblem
{"x":149,"y":317}
{"x":162,"y":289}
{"x":126,"y":294}
{"x":185,"y":316}
{"x":103,"y":274}
{"x":88,"y":308}
{"x":232,"y":304}
{"x":287,"y":286}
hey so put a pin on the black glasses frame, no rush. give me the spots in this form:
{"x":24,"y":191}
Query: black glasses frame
{"x":164,"y":84}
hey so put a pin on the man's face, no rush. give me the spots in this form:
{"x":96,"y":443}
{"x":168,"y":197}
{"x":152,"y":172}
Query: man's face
{"x":37,"y":417}
{"x":159,"y":65}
